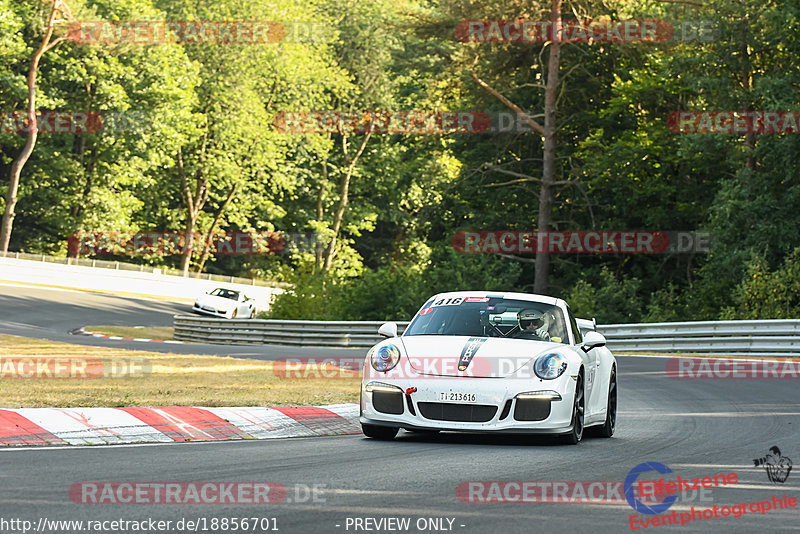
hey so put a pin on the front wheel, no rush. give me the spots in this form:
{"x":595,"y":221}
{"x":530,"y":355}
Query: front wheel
{"x":576,"y":434}
{"x":385,"y":433}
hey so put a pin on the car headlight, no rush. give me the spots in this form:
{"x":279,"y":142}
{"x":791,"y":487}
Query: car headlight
{"x":550,"y":366}
{"x":385,"y":358}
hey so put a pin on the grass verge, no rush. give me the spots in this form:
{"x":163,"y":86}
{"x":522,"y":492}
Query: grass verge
{"x":160,"y":380}
{"x":144,"y":332}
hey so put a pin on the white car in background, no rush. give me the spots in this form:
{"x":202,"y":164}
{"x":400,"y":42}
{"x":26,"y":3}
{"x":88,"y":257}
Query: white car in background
{"x":490,"y":362}
{"x":227,"y":303}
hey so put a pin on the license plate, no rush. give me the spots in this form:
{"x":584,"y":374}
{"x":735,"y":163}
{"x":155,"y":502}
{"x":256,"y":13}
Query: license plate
{"x":451,"y":396}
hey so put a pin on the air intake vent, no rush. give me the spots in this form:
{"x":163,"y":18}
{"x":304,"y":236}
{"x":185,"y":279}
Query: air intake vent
{"x":532,"y":409}
{"x":464,"y":413}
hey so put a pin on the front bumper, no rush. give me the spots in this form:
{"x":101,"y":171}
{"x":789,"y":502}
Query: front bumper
{"x":491,"y":405}
{"x":208,"y":310}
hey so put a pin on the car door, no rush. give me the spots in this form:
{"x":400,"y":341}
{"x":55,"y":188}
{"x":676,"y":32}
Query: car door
{"x":241,"y":307}
{"x":249,"y":305}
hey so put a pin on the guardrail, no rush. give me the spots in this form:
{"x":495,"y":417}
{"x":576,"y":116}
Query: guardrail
{"x":755,"y":338}
{"x":778,"y":337}
{"x":301,"y":333}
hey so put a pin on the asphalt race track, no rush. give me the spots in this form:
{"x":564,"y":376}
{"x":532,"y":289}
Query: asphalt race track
{"x":53,"y":313}
{"x":695,"y":427}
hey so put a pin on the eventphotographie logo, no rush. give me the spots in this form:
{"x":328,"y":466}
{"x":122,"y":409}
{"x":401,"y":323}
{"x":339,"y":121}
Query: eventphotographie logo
{"x":633,"y":499}
{"x":776,"y":465}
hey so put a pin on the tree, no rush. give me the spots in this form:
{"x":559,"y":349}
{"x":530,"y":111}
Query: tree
{"x":237,"y":158}
{"x":364,"y":49}
{"x":59,"y":9}
{"x":548,"y":133}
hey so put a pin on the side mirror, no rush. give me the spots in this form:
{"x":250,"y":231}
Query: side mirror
{"x":388,"y":330}
{"x":592,"y":340}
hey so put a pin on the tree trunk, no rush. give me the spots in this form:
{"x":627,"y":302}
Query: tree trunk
{"x":194,"y":205}
{"x":186,"y":259}
{"x":207,"y":247}
{"x":19,"y":162}
{"x":319,"y":248}
{"x":541,"y":279}
{"x":344,"y":191}
{"x":548,"y":133}
{"x":750,"y":136}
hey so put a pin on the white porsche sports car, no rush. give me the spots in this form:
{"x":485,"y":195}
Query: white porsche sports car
{"x":226,"y":303}
{"x":490,"y":362}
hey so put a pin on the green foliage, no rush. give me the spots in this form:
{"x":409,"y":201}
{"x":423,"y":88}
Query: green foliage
{"x":610,"y":300}
{"x":766,"y":294}
{"x":619,"y":166}
{"x":669,"y":305}
{"x":392,"y":292}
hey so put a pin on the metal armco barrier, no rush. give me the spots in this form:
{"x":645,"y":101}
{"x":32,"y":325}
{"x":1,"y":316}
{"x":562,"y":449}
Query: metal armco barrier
{"x":302,"y":333}
{"x":779,"y":337}
{"x":762,"y":338}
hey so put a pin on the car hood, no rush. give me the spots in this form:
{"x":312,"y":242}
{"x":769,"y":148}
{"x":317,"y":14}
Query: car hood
{"x":215,"y":301}
{"x":478,"y":357}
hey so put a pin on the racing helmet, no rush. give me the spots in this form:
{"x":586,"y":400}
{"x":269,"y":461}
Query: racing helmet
{"x":530,"y":317}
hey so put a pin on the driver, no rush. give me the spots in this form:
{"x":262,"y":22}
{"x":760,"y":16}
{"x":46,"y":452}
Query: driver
{"x":536,"y":322}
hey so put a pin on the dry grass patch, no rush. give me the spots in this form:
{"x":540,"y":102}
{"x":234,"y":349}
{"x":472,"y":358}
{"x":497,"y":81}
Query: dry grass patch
{"x":160,"y":379}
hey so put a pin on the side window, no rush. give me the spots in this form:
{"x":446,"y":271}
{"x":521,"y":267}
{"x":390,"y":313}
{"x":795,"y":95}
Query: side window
{"x":574,"y":325}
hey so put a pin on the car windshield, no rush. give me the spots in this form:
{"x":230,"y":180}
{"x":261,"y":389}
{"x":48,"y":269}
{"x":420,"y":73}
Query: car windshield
{"x":226,"y":294}
{"x":490,"y":317}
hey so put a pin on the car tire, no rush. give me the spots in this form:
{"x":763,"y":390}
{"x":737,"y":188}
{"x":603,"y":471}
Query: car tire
{"x":578,"y":411}
{"x":253,"y":314}
{"x":610,"y":424}
{"x":234,"y":313}
{"x":385,"y":433}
